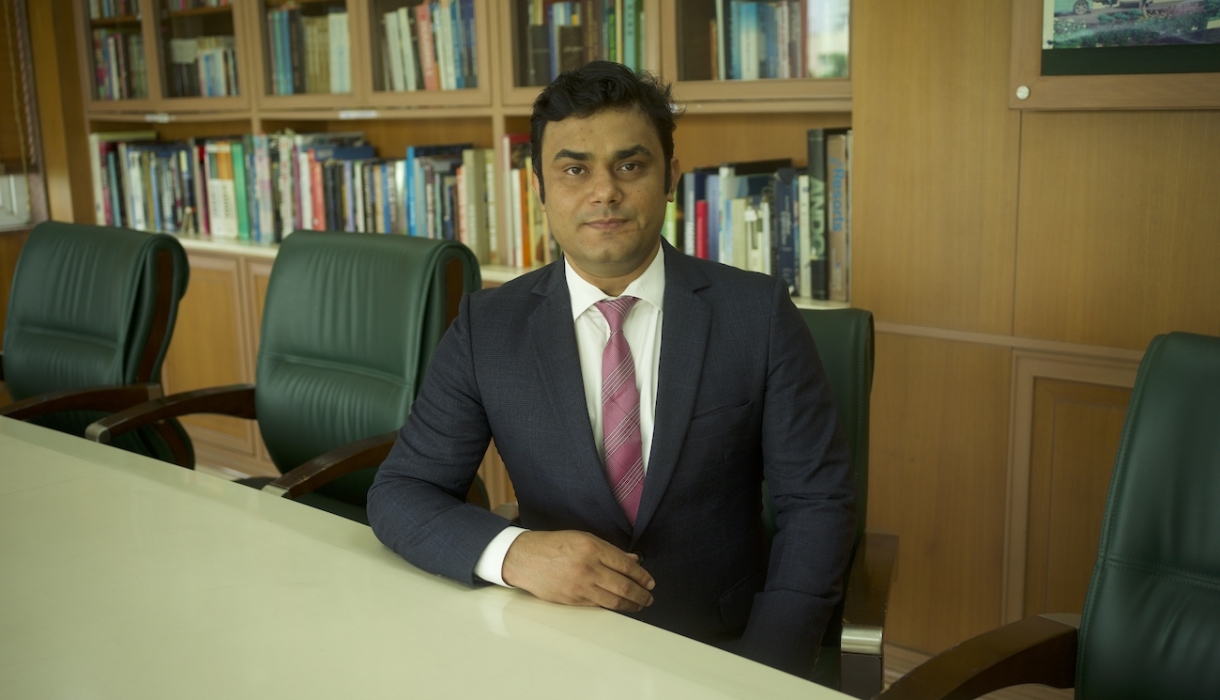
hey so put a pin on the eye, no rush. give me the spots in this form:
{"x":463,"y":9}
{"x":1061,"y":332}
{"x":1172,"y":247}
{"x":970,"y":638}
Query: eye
{"x":573,"y":170}
{"x":630,"y":167}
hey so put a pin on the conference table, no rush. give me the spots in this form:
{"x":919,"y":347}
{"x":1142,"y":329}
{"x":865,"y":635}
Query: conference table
{"x":124,"y":577}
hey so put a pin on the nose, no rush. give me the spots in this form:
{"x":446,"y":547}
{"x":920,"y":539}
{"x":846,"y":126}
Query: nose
{"x":605,"y":187}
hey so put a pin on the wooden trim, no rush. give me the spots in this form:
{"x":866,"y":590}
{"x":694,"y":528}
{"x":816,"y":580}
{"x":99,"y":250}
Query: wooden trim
{"x":1014,"y":342}
{"x":1079,"y":92}
{"x":1027,"y":367}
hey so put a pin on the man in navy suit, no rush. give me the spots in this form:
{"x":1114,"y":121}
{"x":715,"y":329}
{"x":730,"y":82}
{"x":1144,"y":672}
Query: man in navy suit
{"x":638,"y":397}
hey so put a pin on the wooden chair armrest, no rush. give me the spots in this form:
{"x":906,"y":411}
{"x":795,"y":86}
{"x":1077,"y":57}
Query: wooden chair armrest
{"x":109,"y":399}
{"x":1034,"y":650}
{"x":234,"y":400}
{"x":868,"y":593}
{"x":509,"y":511}
{"x":325,"y":468}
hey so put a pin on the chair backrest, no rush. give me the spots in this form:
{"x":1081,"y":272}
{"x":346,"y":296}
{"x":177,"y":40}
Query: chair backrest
{"x":350,"y":322}
{"x":92,"y":306}
{"x":1151,"y":625}
{"x":844,"y":338}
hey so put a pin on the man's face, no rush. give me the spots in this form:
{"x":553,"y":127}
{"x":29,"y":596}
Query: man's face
{"x":605,"y":191}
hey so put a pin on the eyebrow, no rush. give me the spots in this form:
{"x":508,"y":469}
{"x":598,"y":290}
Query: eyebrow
{"x":636,"y":150}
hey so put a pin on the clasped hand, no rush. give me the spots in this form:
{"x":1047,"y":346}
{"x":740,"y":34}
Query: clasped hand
{"x":576,"y":568}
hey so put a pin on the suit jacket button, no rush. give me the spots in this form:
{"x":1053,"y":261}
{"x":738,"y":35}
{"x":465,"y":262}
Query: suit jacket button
{"x":641,"y":557}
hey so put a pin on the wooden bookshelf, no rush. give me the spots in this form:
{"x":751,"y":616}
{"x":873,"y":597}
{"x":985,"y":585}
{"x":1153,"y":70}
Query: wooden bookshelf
{"x":722,"y":121}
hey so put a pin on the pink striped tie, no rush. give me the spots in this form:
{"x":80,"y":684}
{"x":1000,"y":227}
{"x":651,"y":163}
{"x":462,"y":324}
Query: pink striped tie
{"x":621,"y":411}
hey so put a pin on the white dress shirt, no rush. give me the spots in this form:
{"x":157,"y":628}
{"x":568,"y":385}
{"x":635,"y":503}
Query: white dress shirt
{"x":642,"y":329}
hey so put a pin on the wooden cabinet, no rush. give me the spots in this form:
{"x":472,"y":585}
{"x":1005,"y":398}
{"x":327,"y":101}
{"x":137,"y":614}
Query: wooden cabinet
{"x":215,"y":344}
{"x":218,"y":68}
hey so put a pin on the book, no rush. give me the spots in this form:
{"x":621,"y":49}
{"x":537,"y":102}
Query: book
{"x":515,"y":149}
{"x":415,"y":185}
{"x":814,"y":255}
{"x":837,"y":213}
{"x":107,"y":190}
{"x":785,"y":227}
{"x":427,"y":46}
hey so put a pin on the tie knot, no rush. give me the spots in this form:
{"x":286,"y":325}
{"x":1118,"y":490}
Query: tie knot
{"x":615,"y":311}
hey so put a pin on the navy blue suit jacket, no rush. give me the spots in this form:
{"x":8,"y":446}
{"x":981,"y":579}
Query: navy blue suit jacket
{"x":741,"y":395}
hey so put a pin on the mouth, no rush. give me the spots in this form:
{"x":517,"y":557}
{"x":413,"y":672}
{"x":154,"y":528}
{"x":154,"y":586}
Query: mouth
{"x":606,"y":224}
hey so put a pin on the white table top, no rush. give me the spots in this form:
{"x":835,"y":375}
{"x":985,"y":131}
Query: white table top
{"x":123,"y":577}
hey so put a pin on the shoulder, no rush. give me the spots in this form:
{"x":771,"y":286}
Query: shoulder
{"x":724,"y":287}
{"x":510,"y":304}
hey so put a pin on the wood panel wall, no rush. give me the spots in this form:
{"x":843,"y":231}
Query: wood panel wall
{"x":979,"y":231}
{"x":61,"y":112}
{"x":1075,"y":440}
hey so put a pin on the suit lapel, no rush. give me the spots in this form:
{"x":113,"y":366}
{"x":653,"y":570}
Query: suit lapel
{"x":553,"y":335}
{"x":683,"y":343}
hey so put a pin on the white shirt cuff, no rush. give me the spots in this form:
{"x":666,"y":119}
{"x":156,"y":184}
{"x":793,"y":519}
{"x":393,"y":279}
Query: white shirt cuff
{"x":491,"y":562}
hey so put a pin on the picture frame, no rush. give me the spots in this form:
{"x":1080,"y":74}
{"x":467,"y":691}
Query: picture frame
{"x":1030,"y":89}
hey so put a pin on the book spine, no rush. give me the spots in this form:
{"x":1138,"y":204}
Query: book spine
{"x":494,"y":249}
{"x":816,"y":254}
{"x":427,"y":50}
{"x":836,"y":214}
{"x":783,"y":228}
{"x":701,"y":229}
{"x":805,"y":270}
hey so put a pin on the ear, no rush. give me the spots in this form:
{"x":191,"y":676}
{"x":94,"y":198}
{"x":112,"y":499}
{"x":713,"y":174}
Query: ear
{"x":675,"y":172}
{"x":536,"y":185}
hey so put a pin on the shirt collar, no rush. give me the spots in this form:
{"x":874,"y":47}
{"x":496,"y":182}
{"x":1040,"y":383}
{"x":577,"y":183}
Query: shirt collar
{"x":648,"y":287}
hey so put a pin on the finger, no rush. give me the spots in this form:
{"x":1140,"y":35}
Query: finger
{"x":610,"y":601}
{"x":625,"y":589}
{"x":628,"y":565}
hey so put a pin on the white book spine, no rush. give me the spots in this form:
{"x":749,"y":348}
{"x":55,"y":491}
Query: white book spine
{"x":394,"y":46}
{"x":408,"y":50}
{"x":804,"y":248}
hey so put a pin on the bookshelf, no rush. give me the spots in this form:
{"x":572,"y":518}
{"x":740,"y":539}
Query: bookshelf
{"x":484,"y":97}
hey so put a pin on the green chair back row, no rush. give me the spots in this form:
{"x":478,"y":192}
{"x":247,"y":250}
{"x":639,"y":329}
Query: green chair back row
{"x":349,"y":326}
{"x":90,"y":307}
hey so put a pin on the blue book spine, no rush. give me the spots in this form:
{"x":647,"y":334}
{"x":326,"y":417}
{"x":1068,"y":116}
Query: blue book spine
{"x":630,"y":40}
{"x":456,"y":41}
{"x":734,"y":39}
{"x":770,"y":40}
{"x":349,"y":196}
{"x":409,"y":196}
{"x":713,"y":217}
{"x":559,"y":15}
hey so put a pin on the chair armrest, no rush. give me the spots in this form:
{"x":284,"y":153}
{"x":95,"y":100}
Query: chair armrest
{"x":325,"y":468}
{"x":868,"y":593}
{"x":235,"y":400}
{"x":1034,"y":650}
{"x":109,"y":399}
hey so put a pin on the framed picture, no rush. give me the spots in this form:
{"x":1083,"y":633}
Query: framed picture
{"x":1115,"y":54}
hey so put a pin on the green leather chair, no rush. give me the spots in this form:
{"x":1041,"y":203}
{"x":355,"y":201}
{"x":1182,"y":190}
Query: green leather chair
{"x":350,"y":323}
{"x":1151,"y":623}
{"x":851,"y":656}
{"x":90,"y":317}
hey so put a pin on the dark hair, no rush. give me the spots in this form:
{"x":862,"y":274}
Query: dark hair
{"x":597,"y":86}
